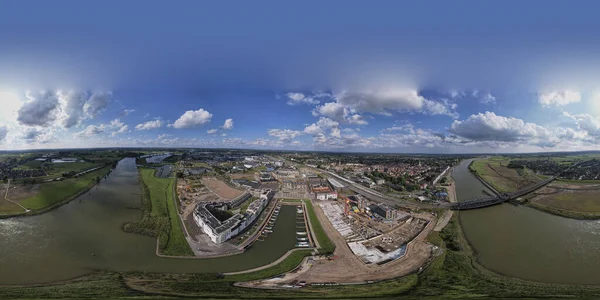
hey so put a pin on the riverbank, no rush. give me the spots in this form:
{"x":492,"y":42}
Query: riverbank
{"x":453,"y":274}
{"x":577,"y":215}
{"x":55,"y":194}
{"x":559,"y":201}
{"x":160,"y":216}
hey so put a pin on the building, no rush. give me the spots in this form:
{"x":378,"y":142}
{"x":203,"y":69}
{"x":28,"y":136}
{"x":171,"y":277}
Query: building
{"x":327,"y":195}
{"x":221,"y":231}
{"x":383,"y":211}
{"x":338,"y":186}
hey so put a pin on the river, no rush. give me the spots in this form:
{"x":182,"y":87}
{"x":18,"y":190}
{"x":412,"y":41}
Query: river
{"x":59,"y":244}
{"x":526,"y":243}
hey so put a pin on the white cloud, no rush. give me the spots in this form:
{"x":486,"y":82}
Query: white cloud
{"x":149,"y":125}
{"x":559,"y":98}
{"x":335,"y":132}
{"x":116,"y":123}
{"x":97,"y":103}
{"x":284,"y":135}
{"x":300,"y":98}
{"x":586,"y":123}
{"x":126,"y":112}
{"x":321,"y":125}
{"x":339,"y":112}
{"x":39,"y":110}
{"x":192,"y":118}
{"x":123,"y":129}
{"x":228,"y":124}
{"x":349,"y":105}
{"x":91,"y":130}
{"x":491,"y":127}
{"x":212,"y":131}
{"x":488,"y":99}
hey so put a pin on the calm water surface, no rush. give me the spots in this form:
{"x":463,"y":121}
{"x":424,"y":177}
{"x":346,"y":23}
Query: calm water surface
{"x":59,"y":244}
{"x":526,"y":243}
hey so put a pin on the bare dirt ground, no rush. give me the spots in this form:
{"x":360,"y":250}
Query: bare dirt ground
{"x":220,"y":188}
{"x":22,"y":192}
{"x":445,"y":218}
{"x":348,"y":268}
{"x":247,"y":176}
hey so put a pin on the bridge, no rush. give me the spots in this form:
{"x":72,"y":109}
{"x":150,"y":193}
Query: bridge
{"x":486,"y":201}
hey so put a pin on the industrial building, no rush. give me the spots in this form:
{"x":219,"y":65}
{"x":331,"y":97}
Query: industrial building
{"x":338,"y":186}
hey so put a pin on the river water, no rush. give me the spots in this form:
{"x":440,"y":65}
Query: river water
{"x":523,"y":242}
{"x":59,"y":244}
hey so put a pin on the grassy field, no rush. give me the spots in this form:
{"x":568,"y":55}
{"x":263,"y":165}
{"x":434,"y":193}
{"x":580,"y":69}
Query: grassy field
{"x":288,"y":264}
{"x":30,"y":165}
{"x":495,"y":172}
{"x":60,"y":168}
{"x":58,"y":191}
{"x":161,"y":194}
{"x":577,"y":204}
{"x":327,"y":246}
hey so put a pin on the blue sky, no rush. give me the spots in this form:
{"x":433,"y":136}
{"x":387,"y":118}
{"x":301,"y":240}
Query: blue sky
{"x":385,"y":76}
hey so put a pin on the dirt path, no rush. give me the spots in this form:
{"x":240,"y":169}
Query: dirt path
{"x":16,"y":203}
{"x":445,"y":218}
{"x":269,"y":265}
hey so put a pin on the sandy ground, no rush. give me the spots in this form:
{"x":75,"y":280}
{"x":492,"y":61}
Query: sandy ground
{"x":445,"y":218}
{"x":347,"y":268}
{"x":220,"y":188}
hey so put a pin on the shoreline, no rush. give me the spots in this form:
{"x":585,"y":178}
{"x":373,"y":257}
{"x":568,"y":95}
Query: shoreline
{"x":56,"y":205}
{"x":575,"y":215}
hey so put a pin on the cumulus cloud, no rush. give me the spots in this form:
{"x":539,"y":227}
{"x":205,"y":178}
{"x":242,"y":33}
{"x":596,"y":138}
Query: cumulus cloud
{"x":91,"y":130}
{"x":348,"y":106}
{"x":212,"y":131}
{"x":490,"y":127}
{"x":300,"y":98}
{"x":284,"y":135}
{"x":559,"y":98}
{"x":149,"y":125}
{"x":35,"y":135}
{"x":323,"y":124}
{"x":587,"y":123}
{"x":192,"y":118}
{"x":228,"y":124}
{"x":39,"y":110}
{"x":3,"y":133}
{"x":79,"y":106}
{"x":339,"y":112}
